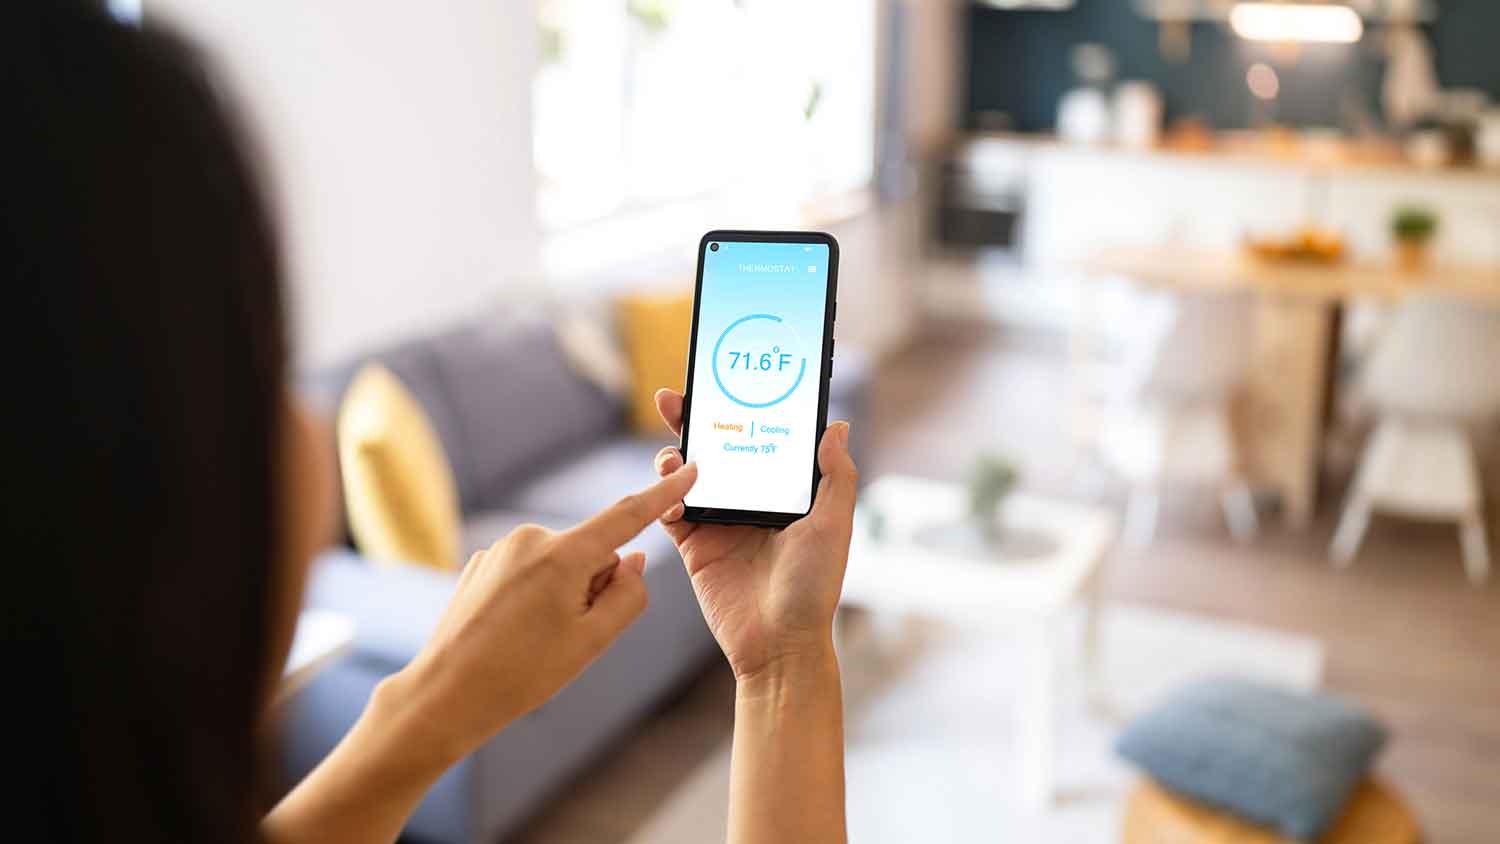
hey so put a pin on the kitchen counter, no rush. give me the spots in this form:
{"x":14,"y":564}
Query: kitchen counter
{"x":1301,"y":153}
{"x":1078,"y":199}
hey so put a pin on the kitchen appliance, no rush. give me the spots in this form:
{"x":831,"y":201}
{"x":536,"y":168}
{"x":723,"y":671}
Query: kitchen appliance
{"x":982,"y":197}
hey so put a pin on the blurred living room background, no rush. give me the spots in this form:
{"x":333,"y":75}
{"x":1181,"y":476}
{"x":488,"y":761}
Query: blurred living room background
{"x":1165,"y":331}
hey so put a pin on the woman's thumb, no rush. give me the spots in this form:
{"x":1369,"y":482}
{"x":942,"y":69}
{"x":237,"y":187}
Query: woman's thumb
{"x":840,"y":477}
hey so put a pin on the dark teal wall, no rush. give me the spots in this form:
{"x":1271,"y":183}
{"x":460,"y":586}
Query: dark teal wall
{"x":1018,"y":63}
{"x":1466,"y":37}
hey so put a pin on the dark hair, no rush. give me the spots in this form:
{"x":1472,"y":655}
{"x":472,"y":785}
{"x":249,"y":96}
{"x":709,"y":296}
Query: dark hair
{"x":143,"y":414}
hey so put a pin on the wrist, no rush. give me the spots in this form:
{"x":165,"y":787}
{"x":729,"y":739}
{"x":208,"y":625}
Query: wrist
{"x":403,"y":709}
{"x":811,"y":665}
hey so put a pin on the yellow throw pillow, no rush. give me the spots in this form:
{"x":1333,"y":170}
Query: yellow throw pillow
{"x":398,"y":487}
{"x":654,"y":329}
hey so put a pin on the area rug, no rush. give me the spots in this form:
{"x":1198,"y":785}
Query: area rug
{"x":930,"y":729}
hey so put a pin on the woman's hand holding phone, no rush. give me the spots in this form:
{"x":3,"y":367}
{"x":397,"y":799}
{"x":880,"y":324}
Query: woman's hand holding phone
{"x":769,"y":595}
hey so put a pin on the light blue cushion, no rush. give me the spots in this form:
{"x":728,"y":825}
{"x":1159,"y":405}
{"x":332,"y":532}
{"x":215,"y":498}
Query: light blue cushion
{"x":1274,"y":757}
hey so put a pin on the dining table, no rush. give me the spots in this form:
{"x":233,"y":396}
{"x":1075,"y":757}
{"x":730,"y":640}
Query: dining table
{"x":1292,"y":384}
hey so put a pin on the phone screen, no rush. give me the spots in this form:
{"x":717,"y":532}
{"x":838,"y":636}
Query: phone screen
{"x":757,"y":374}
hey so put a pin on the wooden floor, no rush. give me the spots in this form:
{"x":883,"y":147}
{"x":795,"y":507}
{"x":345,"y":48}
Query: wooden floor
{"x":1406,"y":635}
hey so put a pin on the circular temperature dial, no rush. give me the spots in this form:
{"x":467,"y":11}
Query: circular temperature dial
{"x":759,"y":361}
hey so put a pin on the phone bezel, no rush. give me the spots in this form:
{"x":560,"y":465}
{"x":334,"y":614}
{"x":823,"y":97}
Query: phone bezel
{"x":764,"y":518}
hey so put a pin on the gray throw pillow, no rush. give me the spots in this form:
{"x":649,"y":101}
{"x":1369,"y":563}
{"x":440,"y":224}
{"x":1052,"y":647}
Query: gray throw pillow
{"x":519,"y":406}
{"x":1278,"y":758}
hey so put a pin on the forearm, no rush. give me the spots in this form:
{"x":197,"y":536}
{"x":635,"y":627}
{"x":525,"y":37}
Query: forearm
{"x":372,"y":781}
{"x":787,"y":774}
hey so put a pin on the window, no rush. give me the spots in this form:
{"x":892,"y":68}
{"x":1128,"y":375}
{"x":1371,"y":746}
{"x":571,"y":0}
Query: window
{"x":639,"y":103}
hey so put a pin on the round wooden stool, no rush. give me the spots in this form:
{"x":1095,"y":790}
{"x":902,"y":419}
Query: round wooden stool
{"x":1376,"y":815}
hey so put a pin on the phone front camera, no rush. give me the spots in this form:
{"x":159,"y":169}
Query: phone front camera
{"x":713,"y":247}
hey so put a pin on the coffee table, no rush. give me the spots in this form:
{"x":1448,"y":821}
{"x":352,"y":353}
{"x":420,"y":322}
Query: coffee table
{"x":913,"y":552}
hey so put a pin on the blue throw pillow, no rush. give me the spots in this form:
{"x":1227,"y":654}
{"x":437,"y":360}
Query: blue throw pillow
{"x":1278,"y":758}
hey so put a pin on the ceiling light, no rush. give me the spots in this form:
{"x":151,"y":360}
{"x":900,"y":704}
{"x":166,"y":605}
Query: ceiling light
{"x":1296,"y":22}
{"x":1043,"y":5}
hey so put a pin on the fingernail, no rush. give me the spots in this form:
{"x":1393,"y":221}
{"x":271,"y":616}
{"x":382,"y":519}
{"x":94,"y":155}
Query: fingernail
{"x":843,"y":433}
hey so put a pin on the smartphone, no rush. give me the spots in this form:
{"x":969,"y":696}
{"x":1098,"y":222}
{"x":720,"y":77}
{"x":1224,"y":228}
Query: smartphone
{"x":759,"y":364}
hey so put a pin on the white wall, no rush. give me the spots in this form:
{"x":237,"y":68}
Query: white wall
{"x":399,"y":139}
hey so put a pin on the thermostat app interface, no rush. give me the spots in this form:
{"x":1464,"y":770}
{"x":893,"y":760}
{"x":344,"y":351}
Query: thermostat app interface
{"x":756,"y":375}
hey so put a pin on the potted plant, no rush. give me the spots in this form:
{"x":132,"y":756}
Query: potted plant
{"x":993,"y":478}
{"x":1413,"y":228}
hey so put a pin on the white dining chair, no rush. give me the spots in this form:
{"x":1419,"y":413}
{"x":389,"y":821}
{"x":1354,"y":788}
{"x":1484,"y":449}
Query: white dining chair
{"x":1433,"y":372}
{"x":1166,"y":368}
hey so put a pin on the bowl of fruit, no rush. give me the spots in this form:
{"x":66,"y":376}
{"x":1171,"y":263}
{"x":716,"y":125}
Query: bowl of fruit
{"x":1308,"y":244}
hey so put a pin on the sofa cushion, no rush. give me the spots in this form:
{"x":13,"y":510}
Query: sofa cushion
{"x":654,"y":330}
{"x":401,"y":497}
{"x":592,"y":480}
{"x":394,"y":609}
{"x":415,"y":366}
{"x":517,"y":403}
{"x":1274,"y":757}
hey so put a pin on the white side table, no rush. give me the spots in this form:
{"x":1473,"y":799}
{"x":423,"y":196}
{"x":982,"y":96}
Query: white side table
{"x":322,"y":637}
{"x":1024,"y":585}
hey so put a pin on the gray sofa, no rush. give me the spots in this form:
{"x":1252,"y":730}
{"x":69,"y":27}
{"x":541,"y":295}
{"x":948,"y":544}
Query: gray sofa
{"x":530,"y":441}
